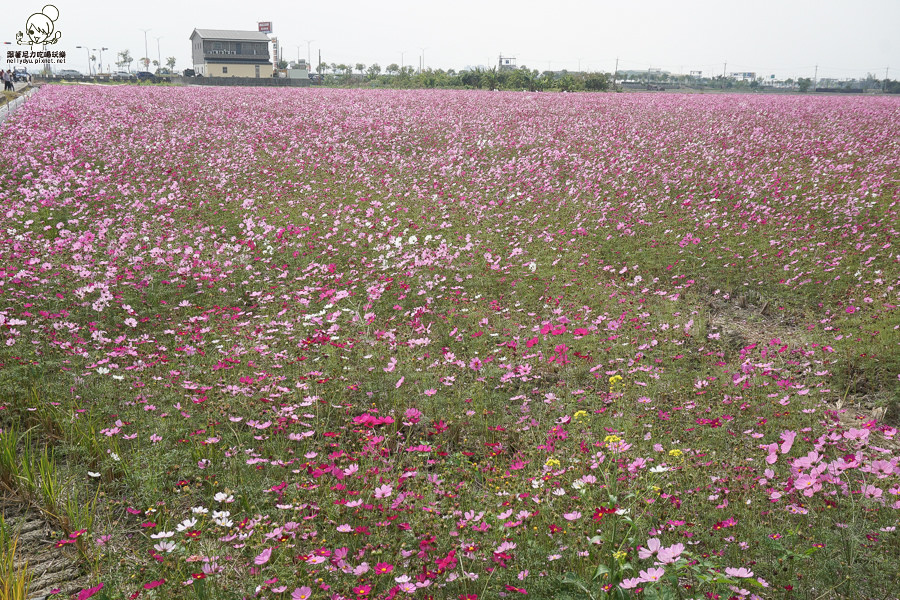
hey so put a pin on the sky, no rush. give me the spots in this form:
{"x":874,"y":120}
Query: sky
{"x":785,"y":38}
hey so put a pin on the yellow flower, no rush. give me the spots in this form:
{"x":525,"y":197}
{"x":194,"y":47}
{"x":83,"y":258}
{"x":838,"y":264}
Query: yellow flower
{"x":619,"y":555}
{"x":580,"y":414}
{"x":612,"y":439}
{"x":676,"y":453}
{"x":552,"y":462}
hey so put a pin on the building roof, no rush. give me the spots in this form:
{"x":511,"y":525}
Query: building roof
{"x":231,"y":34}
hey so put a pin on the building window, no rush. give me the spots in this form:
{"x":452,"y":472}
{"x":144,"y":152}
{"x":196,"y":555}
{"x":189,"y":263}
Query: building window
{"x":224,"y":70}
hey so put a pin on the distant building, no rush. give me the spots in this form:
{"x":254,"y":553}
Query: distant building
{"x":228,"y":53}
{"x":298,"y":70}
{"x":507,"y":63}
{"x":743,"y":76}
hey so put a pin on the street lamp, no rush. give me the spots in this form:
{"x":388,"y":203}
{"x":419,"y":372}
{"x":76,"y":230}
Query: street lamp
{"x":146,"y":51}
{"x":100,"y":50}
{"x":88,"y":51}
{"x":422,"y":68}
{"x":402,"y":52}
{"x":158,"y":55}
{"x":308,"y":55}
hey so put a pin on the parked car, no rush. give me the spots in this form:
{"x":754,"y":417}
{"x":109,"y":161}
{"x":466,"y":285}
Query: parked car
{"x":121,"y":75}
{"x":20,"y":75}
{"x":69,"y":73}
{"x":145,"y":75}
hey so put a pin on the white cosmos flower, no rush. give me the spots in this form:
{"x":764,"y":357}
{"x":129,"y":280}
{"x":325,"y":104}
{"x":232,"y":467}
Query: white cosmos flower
{"x":162,"y":535}
{"x":164,"y":546}
{"x":186,"y":524}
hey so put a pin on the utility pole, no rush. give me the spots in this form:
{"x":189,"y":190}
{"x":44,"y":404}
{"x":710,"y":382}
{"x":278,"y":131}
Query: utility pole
{"x":422,"y":68}
{"x":146,"y":50}
{"x":616,"y":72}
{"x":319,"y":66}
{"x":724,"y":67}
{"x":884,"y":83}
{"x":158,"y":55}
{"x":816,"y":78}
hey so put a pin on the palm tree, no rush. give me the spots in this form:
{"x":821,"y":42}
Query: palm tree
{"x":170,"y":62}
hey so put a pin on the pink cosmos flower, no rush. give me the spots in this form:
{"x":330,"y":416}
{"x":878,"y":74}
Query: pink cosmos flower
{"x":302,"y":593}
{"x":572,"y":516}
{"x":669,"y":555}
{"x":652,"y":574}
{"x":263,"y":557}
{"x":741,"y":572}
{"x":383,"y":491}
{"x":653,"y":546}
{"x":628,"y":584}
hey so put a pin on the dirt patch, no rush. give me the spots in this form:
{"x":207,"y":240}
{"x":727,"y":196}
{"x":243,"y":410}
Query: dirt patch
{"x":741,"y":323}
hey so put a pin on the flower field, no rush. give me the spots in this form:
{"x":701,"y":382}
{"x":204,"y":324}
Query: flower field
{"x":296,"y":344}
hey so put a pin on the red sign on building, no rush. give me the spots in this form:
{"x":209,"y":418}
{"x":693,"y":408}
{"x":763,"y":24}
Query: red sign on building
{"x":265,"y":26}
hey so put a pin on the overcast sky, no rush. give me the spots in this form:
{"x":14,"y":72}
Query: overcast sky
{"x":845,"y":38}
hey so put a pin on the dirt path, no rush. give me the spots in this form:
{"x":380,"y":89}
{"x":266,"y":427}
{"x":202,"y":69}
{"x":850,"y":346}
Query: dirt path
{"x":56,"y":572}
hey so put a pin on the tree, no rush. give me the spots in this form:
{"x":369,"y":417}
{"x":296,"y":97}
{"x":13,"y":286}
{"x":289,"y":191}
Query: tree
{"x":360,"y":67}
{"x":282,"y":64}
{"x":596,"y":82}
{"x":804,"y":83}
{"x":156,"y":64}
{"x":125,"y":59}
{"x":170,"y":62}
{"x":374,"y":71}
{"x":392,"y":68}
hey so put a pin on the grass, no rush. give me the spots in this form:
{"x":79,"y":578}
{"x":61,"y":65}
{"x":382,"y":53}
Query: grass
{"x":332,"y":359}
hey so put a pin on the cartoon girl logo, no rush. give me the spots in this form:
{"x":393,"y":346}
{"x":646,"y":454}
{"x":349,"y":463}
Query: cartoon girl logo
{"x":40,"y":28}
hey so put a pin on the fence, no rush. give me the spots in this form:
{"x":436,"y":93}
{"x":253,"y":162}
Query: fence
{"x":9,"y":108}
{"x":242,"y":81}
